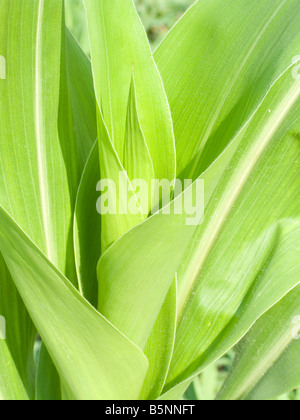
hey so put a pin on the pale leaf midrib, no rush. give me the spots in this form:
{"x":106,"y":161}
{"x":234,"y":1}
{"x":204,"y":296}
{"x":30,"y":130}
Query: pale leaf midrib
{"x":39,"y":133}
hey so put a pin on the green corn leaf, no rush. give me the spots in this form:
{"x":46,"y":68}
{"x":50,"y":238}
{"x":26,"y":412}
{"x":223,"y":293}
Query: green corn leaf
{"x":119,"y":46}
{"x":83,"y":107}
{"x":107,"y":363}
{"x":168,"y":236}
{"x":87,"y":229}
{"x":117,"y":192}
{"x":76,"y":22}
{"x":77,"y":124}
{"x":159,"y":348}
{"x":267,"y":360}
{"x":133,"y":277}
{"x":137,"y":159}
{"x":217,"y":64}
{"x":82,"y":99}
{"x":117,"y":53}
{"x":142,"y":303}
{"x":176,"y":392}
{"x":26,"y":92}
{"x":255,"y":179}
{"x":283,"y":259}
{"x":46,"y":157}
{"x":11,"y":385}
{"x":16,"y":346}
{"x":230,"y":289}
{"x":41,"y":166}
{"x":47,"y":379}
{"x":22,"y":192}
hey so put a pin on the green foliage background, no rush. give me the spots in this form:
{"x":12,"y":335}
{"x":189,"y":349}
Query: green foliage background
{"x":158,"y":16}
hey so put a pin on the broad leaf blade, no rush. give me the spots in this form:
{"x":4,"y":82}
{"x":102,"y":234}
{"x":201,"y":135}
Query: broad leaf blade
{"x":232,"y":273}
{"x":107,"y":363}
{"x":217,"y":64}
{"x":76,"y":22}
{"x":134,"y":277}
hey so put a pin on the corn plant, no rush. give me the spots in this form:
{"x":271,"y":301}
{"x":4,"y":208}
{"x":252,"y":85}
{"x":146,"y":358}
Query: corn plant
{"x":136,"y":304}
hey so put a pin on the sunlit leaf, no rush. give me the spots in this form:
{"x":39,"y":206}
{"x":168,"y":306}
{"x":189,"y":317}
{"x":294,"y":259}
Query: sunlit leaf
{"x":109,"y":365}
{"x":119,"y":46}
{"x":217,"y":64}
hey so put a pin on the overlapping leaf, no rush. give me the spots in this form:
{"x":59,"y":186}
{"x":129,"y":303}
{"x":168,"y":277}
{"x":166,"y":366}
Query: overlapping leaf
{"x":45,"y":137}
{"x":235,"y":105}
{"x":267,"y":360}
{"x":233,"y":269}
{"x":24,"y":100}
{"x":119,"y":47}
{"x":216,"y":65}
{"x":48,"y":387}
{"x":16,"y":355}
{"x":239,"y":268}
{"x":87,"y":229}
{"x":133,"y":111}
{"x":159,"y":348}
{"x":107,"y":363}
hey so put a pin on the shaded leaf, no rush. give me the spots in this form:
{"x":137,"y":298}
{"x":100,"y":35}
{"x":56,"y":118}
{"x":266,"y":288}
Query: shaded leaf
{"x":267,"y":360}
